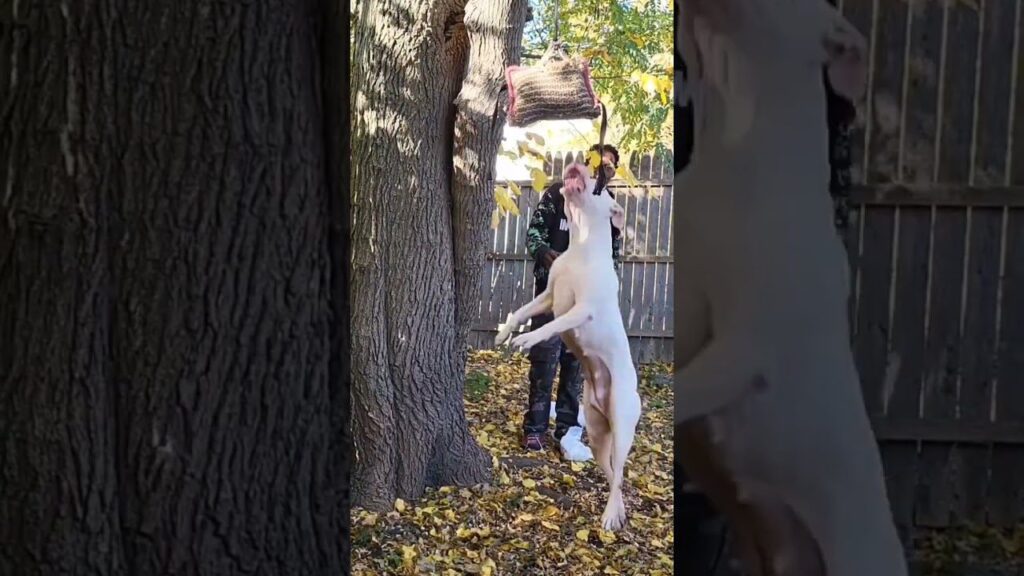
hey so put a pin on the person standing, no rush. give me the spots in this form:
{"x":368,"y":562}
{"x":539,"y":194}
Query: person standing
{"x":546,"y":238}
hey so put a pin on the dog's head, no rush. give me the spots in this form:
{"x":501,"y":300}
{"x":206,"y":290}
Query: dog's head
{"x":582,"y":204}
{"x":773,"y":35}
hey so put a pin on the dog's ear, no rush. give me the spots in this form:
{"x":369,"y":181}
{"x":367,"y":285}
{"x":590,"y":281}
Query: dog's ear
{"x":846,"y":55}
{"x":721,"y":15}
{"x":618,"y":215}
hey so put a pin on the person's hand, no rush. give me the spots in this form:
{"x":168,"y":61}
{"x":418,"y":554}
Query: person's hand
{"x":549,"y":258}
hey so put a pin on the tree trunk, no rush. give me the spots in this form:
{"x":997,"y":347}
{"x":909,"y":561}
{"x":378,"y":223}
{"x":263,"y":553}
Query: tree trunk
{"x":171,"y":398}
{"x":59,"y":509}
{"x":426,"y":128}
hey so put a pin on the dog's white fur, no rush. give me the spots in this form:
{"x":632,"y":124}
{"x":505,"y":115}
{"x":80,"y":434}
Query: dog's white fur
{"x":583,"y":292}
{"x":766,"y":365}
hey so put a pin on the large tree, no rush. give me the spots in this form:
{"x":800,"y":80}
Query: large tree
{"x":428,"y":114}
{"x":172,"y":369}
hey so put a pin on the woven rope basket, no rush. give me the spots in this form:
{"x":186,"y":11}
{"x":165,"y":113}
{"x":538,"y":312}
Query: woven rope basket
{"x":558,"y":88}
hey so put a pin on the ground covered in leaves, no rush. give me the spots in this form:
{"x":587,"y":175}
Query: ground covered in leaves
{"x":540,"y":515}
{"x":955,"y":552}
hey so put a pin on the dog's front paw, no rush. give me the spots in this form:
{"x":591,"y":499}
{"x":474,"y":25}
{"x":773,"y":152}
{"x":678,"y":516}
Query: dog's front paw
{"x":505,"y":330}
{"x":525,"y":341}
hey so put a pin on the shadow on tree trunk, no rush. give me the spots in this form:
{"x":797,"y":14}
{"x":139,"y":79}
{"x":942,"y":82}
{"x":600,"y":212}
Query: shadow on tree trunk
{"x":427,"y":122}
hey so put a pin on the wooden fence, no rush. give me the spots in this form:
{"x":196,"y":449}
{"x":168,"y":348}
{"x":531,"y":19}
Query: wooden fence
{"x":645,"y":294}
{"x":938,"y":322}
{"x":937,"y":250}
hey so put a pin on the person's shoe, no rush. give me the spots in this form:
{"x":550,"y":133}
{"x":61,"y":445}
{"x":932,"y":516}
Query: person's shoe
{"x":573,"y":448}
{"x":534,"y":442}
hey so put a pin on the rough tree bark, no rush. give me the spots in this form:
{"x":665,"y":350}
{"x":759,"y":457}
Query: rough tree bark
{"x":427,"y":122}
{"x":171,"y":391}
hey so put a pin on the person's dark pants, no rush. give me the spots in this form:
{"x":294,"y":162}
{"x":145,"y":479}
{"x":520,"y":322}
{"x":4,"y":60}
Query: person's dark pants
{"x":701,"y":544}
{"x":545,"y":358}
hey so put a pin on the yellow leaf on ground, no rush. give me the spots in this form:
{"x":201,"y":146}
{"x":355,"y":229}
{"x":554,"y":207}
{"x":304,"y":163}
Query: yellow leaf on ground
{"x":456,"y":530}
{"x":400,"y":505}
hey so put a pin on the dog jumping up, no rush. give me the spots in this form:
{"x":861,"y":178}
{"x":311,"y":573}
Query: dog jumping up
{"x":769,"y":408}
{"x":583,"y":293}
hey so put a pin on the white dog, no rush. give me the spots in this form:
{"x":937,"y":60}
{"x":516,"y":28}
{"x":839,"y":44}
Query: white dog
{"x":583,"y":292}
{"x":768,"y":397}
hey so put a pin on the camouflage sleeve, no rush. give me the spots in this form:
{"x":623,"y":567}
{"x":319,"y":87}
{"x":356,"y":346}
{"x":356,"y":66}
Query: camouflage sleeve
{"x":617,"y":247}
{"x":538,"y":241}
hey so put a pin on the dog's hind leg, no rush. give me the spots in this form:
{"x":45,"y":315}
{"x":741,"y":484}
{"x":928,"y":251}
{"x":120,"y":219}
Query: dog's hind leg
{"x":595,"y":394}
{"x":624,"y":414}
{"x":719,"y":375}
{"x":600,"y":434}
{"x":539,"y":305}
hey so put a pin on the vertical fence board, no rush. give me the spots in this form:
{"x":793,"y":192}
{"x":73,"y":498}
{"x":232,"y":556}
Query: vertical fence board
{"x":1006,"y":500}
{"x":935,"y":494}
{"x":1006,"y":497}
{"x":1016,"y":152}
{"x":977,"y":354}
{"x":923,"y":74}
{"x":871,"y":345}
{"x":906,"y":355}
{"x":883,"y":134}
{"x":651,"y":247}
{"x":668,"y":324}
{"x":961,"y":39}
{"x":999,"y":22}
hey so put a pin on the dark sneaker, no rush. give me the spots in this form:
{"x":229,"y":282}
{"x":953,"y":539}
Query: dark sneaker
{"x":534,"y":442}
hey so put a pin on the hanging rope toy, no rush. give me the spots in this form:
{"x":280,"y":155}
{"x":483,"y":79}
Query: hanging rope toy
{"x":559,"y":87}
